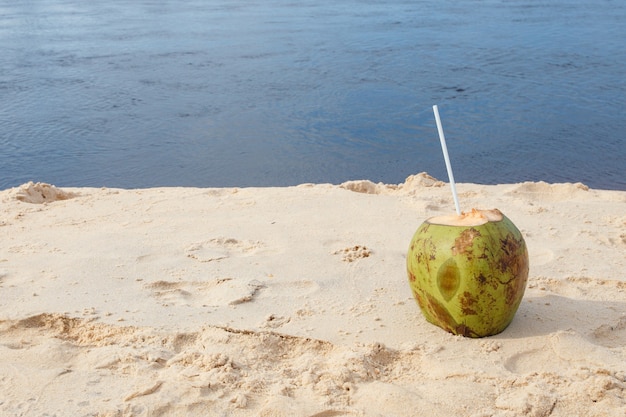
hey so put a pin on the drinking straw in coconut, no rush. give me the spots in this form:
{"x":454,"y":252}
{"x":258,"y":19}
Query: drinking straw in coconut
{"x":444,"y":148}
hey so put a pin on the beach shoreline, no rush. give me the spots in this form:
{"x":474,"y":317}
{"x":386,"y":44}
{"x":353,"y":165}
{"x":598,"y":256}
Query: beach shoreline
{"x":285,"y":301}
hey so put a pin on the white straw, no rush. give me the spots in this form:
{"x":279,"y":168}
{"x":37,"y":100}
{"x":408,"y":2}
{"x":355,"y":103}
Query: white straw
{"x":444,"y":148}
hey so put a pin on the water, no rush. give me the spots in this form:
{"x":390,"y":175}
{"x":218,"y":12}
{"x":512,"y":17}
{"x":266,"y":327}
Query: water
{"x":145,"y":93}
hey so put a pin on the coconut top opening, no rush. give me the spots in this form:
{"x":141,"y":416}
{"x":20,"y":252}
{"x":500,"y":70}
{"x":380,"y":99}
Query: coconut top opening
{"x":472,"y":218}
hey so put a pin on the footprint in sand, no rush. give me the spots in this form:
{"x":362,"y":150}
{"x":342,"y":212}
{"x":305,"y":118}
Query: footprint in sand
{"x":530,"y":400}
{"x":534,"y":360}
{"x":292,"y":289}
{"x":222,"y":248}
{"x":611,"y":335}
{"x":215,"y":293}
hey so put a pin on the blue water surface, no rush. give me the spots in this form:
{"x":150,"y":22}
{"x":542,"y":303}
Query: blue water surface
{"x":208,"y":93}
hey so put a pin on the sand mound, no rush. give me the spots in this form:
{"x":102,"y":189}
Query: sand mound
{"x":39,"y":193}
{"x":412,"y":183}
{"x":421,"y":180}
{"x":366,"y":187}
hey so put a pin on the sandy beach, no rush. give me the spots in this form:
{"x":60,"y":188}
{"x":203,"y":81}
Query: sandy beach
{"x":295,"y":302}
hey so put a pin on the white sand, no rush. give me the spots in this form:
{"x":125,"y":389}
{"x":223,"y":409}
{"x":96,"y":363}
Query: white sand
{"x":295,"y":302}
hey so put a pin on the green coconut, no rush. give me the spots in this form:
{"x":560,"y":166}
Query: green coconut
{"x":468,"y":273}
